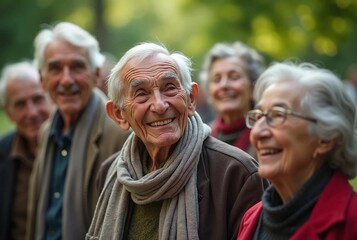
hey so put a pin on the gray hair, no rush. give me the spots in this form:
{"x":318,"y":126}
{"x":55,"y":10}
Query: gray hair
{"x":20,"y":70}
{"x":72,"y":34}
{"x":254,"y":63}
{"x":141,"y":52}
{"x":324,"y":99}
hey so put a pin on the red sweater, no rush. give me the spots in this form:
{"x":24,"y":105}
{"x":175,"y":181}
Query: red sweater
{"x":333,"y":217}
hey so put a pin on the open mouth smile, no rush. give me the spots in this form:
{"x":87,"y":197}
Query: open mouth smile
{"x":161,"y":123}
{"x":265,"y":152}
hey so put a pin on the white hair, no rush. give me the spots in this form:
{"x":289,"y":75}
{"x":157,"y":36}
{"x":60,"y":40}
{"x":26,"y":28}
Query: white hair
{"x":14,"y":71}
{"x":72,"y":34}
{"x":141,"y":52}
{"x":326,"y":100}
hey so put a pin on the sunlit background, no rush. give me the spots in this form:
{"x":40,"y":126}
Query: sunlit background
{"x":318,"y":31}
{"x":321,"y":32}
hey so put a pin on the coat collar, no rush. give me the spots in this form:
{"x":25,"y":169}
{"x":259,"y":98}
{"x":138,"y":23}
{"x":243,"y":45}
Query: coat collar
{"x":331,"y":207}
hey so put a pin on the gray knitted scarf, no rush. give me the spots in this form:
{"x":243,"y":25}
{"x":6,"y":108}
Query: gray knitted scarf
{"x":74,"y":227}
{"x":174,"y":183}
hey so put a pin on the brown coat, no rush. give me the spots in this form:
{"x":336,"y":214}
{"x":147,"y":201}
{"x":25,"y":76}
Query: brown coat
{"x":105,"y":138}
{"x":228,"y":185}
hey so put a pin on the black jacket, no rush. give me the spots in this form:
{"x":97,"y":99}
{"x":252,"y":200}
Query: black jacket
{"x":7,"y":181}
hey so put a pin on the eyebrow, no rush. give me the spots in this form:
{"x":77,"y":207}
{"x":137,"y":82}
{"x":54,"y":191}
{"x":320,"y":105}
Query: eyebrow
{"x":279,"y":104}
{"x":169,"y":76}
{"x":136,"y":83}
{"x":53,"y":63}
{"x":165,"y":77}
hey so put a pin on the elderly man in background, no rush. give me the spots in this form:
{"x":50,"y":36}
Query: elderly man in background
{"x":171,"y":180}
{"x":26,"y":105}
{"x":77,"y":139}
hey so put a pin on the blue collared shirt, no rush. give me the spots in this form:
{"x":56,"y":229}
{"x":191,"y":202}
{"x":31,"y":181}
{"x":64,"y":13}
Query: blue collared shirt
{"x":62,"y":148}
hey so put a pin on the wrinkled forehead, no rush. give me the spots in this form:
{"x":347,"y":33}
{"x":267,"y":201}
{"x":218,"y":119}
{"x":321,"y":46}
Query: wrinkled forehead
{"x":150,"y":67}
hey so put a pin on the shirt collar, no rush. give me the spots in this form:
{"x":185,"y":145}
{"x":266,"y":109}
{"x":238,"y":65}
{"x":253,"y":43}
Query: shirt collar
{"x":56,"y":129}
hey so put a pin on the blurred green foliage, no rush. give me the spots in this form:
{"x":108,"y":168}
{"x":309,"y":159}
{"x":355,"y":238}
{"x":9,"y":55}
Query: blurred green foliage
{"x":354,"y":184}
{"x":322,"y":32}
{"x":5,"y":124}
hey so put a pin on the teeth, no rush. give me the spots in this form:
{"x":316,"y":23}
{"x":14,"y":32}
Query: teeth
{"x":268,"y":151}
{"x":225,"y":97}
{"x":160,"y":123}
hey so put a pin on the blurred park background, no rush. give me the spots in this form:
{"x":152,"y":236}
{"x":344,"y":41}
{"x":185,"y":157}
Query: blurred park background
{"x":317,"y":31}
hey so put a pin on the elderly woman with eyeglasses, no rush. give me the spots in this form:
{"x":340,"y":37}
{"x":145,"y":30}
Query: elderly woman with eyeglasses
{"x":303,"y":131}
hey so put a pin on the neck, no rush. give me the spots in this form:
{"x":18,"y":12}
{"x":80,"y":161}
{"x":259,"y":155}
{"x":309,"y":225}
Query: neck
{"x":290,"y":185}
{"x":230,"y":118}
{"x":68,"y":121}
{"x":158,"y":156}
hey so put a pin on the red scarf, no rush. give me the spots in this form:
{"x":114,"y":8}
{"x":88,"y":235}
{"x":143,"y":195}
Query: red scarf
{"x":219,"y":127}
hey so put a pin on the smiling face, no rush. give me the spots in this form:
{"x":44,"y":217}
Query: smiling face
{"x":156,"y":106}
{"x":230,"y":88}
{"x":68,"y":77}
{"x":27,"y":106}
{"x":285,"y":152}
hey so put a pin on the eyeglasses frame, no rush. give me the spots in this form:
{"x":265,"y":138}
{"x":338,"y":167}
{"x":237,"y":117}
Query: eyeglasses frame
{"x":281,"y":109}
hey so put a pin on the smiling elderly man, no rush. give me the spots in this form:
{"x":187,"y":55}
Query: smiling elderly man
{"x":77,"y":139}
{"x":28,"y":106}
{"x":171,"y":180}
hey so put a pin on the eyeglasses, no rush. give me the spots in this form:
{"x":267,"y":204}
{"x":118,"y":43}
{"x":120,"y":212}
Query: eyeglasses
{"x":275,"y":116}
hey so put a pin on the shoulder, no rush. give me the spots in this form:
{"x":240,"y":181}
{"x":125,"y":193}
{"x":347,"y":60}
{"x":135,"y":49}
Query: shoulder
{"x":218,"y":152}
{"x":254,"y":212}
{"x":6,"y":141}
{"x":104,"y":169}
{"x":7,"y":137}
{"x":252,"y":215}
{"x":223,"y":164}
{"x":352,"y":206}
{"x":249,"y":221}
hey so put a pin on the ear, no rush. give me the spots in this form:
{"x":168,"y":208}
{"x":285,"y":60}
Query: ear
{"x":193,"y":99}
{"x":116,"y":114}
{"x":325,"y":146}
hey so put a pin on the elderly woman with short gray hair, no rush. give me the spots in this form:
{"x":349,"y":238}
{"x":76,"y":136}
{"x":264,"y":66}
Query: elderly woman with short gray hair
{"x":229,"y":74}
{"x":304,"y":133}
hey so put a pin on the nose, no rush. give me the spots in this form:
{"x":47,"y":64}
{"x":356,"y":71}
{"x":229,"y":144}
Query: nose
{"x":31,"y":109}
{"x":260,"y":129}
{"x":158,"y":103}
{"x":67,"y":78}
{"x":224,"y":81}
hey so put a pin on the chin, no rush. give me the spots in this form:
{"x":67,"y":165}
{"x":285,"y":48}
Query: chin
{"x":229,"y":110}
{"x":264,"y":172}
{"x":70,"y":109}
{"x":166,"y":141}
